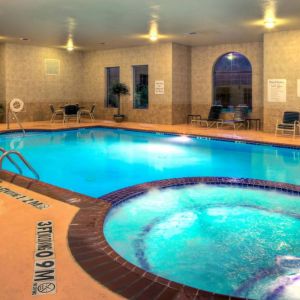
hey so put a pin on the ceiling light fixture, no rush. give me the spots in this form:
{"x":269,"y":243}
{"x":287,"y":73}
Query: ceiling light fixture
{"x":153,"y":32}
{"x":270,"y":9}
{"x":70,"y":44}
{"x":24,"y":39}
{"x":270,"y":23}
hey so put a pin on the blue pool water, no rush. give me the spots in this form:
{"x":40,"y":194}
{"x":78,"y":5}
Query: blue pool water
{"x":229,"y":240}
{"x":97,"y":161}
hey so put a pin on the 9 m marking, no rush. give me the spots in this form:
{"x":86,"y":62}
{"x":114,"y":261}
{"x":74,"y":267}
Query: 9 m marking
{"x":44,"y":281}
{"x":44,"y":277}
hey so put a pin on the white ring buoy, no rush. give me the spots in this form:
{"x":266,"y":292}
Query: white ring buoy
{"x":16,"y":105}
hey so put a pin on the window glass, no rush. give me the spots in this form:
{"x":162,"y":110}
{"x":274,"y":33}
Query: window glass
{"x":140,"y":86}
{"x":112,"y":76}
{"x":232,"y":81}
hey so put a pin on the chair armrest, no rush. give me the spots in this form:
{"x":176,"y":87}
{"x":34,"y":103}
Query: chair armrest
{"x":294,"y":123}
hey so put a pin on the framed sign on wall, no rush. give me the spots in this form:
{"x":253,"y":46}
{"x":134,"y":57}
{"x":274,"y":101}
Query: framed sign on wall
{"x":159,"y":87}
{"x":277,"y":90}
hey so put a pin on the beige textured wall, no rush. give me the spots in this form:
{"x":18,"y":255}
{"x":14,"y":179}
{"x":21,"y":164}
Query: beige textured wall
{"x":203,"y":60}
{"x":281,"y":61}
{"x":187,"y":73}
{"x":26,"y":79}
{"x":2,"y":75}
{"x":181,"y":83}
{"x":159,"y":60}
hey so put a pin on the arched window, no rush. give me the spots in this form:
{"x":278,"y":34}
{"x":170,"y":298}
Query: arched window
{"x":232,"y":79}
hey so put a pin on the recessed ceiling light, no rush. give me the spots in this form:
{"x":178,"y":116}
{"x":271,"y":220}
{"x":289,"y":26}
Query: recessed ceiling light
{"x":24,"y":39}
{"x":191,"y":33}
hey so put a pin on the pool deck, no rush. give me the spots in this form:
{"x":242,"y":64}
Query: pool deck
{"x":185,"y":129}
{"x":18,"y":224}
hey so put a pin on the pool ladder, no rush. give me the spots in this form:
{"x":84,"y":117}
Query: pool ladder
{"x":26,"y":163}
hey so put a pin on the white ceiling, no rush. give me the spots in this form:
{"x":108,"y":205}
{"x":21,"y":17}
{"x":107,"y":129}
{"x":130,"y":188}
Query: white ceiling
{"x":122,"y":23}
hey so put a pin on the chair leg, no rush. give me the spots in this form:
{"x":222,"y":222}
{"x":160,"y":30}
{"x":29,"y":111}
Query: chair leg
{"x":52,"y":117}
{"x":294,"y":133}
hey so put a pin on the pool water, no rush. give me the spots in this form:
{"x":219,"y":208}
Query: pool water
{"x":230,"y":240}
{"x":97,"y":161}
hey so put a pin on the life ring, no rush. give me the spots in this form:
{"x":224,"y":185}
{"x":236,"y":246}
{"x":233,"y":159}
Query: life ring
{"x":16,"y":105}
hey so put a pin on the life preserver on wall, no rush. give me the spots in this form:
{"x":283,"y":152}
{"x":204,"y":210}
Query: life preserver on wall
{"x":16,"y":105}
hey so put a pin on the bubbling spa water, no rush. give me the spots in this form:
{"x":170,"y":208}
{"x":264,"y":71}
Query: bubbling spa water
{"x":229,"y":240}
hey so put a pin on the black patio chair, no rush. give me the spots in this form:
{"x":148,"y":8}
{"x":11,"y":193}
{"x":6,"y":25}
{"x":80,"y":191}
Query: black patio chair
{"x":87,"y":112}
{"x":71,"y":111}
{"x":213,"y":116}
{"x":290,"y":122}
{"x":55,"y":112}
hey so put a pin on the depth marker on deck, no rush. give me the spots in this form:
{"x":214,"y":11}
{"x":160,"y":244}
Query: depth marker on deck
{"x":44,"y":280}
{"x":22,"y":198}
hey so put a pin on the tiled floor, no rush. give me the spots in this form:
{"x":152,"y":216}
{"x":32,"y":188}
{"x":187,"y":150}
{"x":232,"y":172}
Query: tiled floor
{"x":17,"y":223}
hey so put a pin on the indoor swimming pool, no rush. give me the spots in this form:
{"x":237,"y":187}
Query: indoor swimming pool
{"x":96,"y":161}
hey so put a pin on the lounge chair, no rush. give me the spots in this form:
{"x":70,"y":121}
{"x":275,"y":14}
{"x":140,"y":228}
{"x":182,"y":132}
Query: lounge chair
{"x":213,"y":116}
{"x":193,"y":119}
{"x":55,"y":112}
{"x":239,"y":118}
{"x":71,"y":111}
{"x":88,"y":112}
{"x":289,"y":123}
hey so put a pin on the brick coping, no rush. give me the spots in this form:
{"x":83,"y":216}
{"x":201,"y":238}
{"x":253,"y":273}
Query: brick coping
{"x":200,"y":136}
{"x":92,"y":252}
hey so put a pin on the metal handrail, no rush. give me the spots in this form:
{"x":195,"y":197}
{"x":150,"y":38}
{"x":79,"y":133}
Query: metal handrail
{"x":28,"y":165}
{"x":12,"y":161}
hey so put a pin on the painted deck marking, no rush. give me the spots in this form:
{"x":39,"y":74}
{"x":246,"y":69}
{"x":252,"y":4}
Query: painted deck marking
{"x":27,"y":200}
{"x":44,"y":279}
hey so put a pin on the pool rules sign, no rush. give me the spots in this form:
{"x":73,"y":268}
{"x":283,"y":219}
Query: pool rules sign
{"x":44,"y":281}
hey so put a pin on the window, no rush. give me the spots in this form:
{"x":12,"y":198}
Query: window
{"x":140,"y":86}
{"x":112,"y":76}
{"x":232,"y":81}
